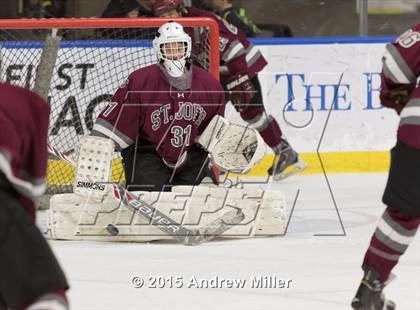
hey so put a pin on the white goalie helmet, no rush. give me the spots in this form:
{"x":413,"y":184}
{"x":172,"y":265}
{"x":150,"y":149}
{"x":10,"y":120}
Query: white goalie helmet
{"x":172,"y":47}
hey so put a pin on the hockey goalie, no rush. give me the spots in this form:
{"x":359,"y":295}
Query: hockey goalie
{"x":167,"y":122}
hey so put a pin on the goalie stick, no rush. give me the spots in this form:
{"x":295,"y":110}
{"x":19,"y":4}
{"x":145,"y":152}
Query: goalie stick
{"x":179,"y":232}
{"x":166,"y":224}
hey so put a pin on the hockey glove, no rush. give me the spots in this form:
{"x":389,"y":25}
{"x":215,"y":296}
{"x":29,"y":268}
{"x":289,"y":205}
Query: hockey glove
{"x":233,"y":148}
{"x":241,"y":91}
{"x":397,"y":97}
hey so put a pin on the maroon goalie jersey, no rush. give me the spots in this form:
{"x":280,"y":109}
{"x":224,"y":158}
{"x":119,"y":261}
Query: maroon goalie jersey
{"x":401,"y":69}
{"x":237,"y":54}
{"x":147,"y":106}
{"x":24,"y":118}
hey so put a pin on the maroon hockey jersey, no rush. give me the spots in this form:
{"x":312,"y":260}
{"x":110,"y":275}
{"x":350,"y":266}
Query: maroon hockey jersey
{"x":146,"y":105}
{"x":401,"y":68}
{"x":24,"y":118}
{"x":237,"y":54}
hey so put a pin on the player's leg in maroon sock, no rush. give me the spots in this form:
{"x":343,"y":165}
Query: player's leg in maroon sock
{"x":265,"y":124}
{"x":390,"y":240}
{"x":396,"y":228}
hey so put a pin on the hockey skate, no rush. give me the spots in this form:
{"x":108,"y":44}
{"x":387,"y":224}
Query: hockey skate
{"x":369,"y":296}
{"x":287,"y":163}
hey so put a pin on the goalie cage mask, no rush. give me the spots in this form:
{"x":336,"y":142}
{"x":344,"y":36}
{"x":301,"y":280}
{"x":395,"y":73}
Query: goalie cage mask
{"x":172,"y":47}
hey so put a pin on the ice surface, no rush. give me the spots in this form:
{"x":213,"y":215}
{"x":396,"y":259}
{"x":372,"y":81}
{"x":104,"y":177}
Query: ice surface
{"x":321,"y":259}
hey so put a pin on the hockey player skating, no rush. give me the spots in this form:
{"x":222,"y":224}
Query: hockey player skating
{"x":30,"y":276}
{"x":400,"y":221}
{"x":156,"y":115}
{"x":240,"y":63}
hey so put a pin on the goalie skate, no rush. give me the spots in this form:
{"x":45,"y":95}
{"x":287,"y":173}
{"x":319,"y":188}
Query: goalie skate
{"x":287,"y":163}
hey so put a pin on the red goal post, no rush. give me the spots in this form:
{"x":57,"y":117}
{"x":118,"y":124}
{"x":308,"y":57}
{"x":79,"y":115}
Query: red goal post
{"x":94,"y":57}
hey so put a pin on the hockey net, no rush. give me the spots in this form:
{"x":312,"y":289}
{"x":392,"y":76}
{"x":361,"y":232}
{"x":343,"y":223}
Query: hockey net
{"x":92,"y":59}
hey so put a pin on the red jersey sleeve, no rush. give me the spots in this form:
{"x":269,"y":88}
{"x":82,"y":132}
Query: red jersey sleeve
{"x":120,"y":120}
{"x":232,"y":49}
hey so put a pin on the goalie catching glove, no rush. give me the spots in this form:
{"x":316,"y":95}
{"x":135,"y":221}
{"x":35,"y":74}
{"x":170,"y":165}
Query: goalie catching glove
{"x":241,"y":91}
{"x":233,"y":148}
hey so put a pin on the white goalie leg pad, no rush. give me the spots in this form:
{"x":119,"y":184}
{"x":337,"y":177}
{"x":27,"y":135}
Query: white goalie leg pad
{"x":265,"y":211}
{"x":73,"y":217}
{"x":93,"y":167}
{"x":233,"y":148}
{"x":271,"y":219}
